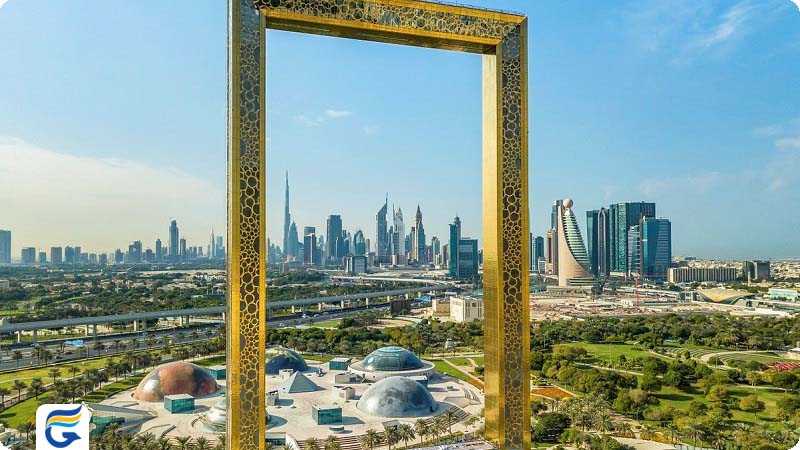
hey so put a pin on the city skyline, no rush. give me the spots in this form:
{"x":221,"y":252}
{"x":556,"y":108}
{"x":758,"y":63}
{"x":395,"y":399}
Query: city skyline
{"x":698,"y":69}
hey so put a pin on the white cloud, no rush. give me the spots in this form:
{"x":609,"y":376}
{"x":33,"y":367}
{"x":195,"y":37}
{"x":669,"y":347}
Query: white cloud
{"x":688,"y":29}
{"x":732,"y":24}
{"x":698,"y":183}
{"x":315,"y":120}
{"x":788,"y":143}
{"x":369,"y":130}
{"x":3,"y":2}
{"x":338,"y":114}
{"x":795,"y":2}
{"x":56,"y":198}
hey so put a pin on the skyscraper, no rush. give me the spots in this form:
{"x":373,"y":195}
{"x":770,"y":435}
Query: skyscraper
{"x":537,"y":253}
{"x":28,"y":256}
{"x":382,"y":235}
{"x":634,"y":263}
{"x":182,"y":250}
{"x":359,"y":244}
{"x":5,"y":247}
{"x":159,"y":251}
{"x":623,"y":216}
{"x":333,"y":239}
{"x":656,"y":248}
{"x":573,"y":261}
{"x":310,"y":251}
{"x":291,"y":251}
{"x":174,"y":241}
{"x":455,"y":238}
{"x":287,"y":219}
{"x":398,"y":237}
{"x":212,"y":246}
{"x":56,"y":256}
{"x":418,"y":239}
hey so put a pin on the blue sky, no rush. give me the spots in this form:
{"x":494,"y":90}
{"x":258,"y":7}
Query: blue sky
{"x":112,"y":121}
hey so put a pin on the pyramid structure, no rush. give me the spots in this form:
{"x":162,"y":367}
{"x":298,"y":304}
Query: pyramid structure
{"x":298,"y":383}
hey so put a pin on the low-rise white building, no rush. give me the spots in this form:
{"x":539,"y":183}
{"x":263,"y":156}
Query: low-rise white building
{"x":466,"y":309}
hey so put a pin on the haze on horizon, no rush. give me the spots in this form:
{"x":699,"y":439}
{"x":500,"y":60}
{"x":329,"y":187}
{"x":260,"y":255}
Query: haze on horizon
{"x":113,"y":122}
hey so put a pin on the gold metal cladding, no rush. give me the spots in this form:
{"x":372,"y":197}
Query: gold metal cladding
{"x":246,"y":324}
{"x":502,"y":38}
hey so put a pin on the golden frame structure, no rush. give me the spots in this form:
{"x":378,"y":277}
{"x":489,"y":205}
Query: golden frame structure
{"x":502,"y":40}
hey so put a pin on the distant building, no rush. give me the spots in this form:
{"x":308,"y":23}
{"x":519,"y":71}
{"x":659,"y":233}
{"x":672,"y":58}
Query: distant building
{"x":783,"y":294}
{"x":5,"y":247}
{"x":418,"y":244}
{"x":624,"y":216}
{"x":598,"y":241}
{"x":334,"y":240}
{"x":311,"y":256}
{"x":702,"y":274}
{"x":174,"y":241}
{"x":359,"y":244}
{"x":28,"y":256}
{"x":355,"y":265}
{"x":56,"y":256}
{"x":103,"y":259}
{"x":382,"y":235}
{"x":656,"y":248}
{"x":573,"y":261}
{"x":463,"y":258}
{"x":160,"y":251}
{"x":756,"y":271}
{"x":537,"y":252}
{"x":42,"y":258}
{"x":398,"y":237}
{"x":287,"y":221}
{"x":182,"y":250}
{"x":466,"y":308}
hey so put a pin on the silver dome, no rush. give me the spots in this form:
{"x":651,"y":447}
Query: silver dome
{"x":391,"y":359}
{"x":397,"y":397}
{"x":285,"y":359}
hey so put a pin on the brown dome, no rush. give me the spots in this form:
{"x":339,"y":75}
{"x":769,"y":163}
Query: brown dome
{"x":173,"y":379}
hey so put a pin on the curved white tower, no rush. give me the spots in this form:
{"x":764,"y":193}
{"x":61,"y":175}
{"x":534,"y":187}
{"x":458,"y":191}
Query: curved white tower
{"x":573,"y":260}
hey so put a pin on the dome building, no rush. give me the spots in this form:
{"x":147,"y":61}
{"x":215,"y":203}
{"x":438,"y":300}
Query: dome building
{"x":283,"y":359}
{"x":397,"y":397}
{"x":389,"y":362}
{"x":174,"y":379}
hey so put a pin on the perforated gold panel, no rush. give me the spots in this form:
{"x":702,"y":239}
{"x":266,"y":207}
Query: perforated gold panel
{"x":246,"y":318}
{"x":502,"y":39}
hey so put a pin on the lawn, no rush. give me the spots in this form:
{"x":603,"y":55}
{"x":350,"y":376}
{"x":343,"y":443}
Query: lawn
{"x":7,"y":379}
{"x":24,"y":412}
{"x":211,"y":361}
{"x":681,"y":400}
{"x":333,"y":323}
{"x":459,"y":361}
{"x":447,"y":369}
{"x":611,"y":352}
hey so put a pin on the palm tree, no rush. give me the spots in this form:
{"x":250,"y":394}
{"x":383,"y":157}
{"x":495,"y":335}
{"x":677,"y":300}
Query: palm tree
{"x":421,"y":428}
{"x":370,"y":439}
{"x":19,"y":385}
{"x":164,"y":443}
{"x":406,"y":433}
{"x":3,"y":393}
{"x":36,"y":386}
{"x":331,"y":443}
{"x":184,"y":442}
{"x":311,"y":444}
{"x":202,"y":443}
{"x":392,"y":436}
{"x":450,"y":417}
{"x":54,"y":373}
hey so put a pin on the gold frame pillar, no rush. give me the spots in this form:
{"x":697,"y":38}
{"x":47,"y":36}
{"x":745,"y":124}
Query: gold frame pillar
{"x":247,"y":247}
{"x":502,"y":38}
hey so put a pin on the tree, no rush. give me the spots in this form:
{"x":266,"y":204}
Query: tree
{"x":312,"y":444}
{"x":649,"y":382}
{"x":37,"y":386}
{"x":718,"y":394}
{"x":54,"y":373}
{"x":392,"y":436}
{"x":3,"y":393}
{"x":549,"y":426}
{"x":752,"y":404}
{"x":754,"y":378}
{"x":331,"y":443}
{"x":19,"y":385}
{"x":450,"y":418}
{"x":406,"y":433}
{"x":421,"y":428}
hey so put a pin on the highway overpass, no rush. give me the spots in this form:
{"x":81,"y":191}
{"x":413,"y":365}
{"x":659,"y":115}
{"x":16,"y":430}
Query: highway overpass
{"x":135,"y":318}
